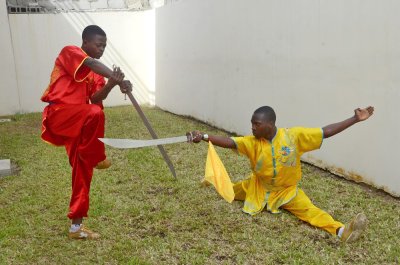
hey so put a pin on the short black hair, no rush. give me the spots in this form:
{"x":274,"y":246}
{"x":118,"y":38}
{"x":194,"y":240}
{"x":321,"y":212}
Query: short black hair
{"x":267,"y":112}
{"x":91,"y":31}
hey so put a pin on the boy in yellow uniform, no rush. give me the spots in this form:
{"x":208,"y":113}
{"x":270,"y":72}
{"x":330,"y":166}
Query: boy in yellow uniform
{"x":274,"y":155}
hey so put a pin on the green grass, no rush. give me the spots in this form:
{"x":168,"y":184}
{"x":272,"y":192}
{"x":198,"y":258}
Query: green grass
{"x":147,"y":217}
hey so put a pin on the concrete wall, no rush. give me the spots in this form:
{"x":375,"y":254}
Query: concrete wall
{"x":313,"y":61}
{"x":9,"y":94}
{"x":38,"y":38}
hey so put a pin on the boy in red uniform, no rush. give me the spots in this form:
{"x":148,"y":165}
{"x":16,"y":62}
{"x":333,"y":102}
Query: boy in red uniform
{"x":74,"y":117}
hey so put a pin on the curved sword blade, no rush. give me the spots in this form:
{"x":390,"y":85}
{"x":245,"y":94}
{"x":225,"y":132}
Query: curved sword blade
{"x":129,"y":143}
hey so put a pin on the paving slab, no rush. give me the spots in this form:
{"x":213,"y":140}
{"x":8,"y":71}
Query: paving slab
{"x":5,"y":167}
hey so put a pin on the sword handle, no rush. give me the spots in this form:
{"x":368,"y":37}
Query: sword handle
{"x":189,"y":136}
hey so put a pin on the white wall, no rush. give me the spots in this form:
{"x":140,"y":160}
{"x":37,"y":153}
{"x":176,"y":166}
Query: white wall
{"x":314,"y":62}
{"x":38,"y":38}
{"x":8,"y":86}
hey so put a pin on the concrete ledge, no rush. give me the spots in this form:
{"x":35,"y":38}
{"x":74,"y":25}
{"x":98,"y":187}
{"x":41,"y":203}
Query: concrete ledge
{"x":5,"y":167}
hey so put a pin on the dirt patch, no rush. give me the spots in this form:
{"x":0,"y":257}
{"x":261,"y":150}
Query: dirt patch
{"x":370,"y":189}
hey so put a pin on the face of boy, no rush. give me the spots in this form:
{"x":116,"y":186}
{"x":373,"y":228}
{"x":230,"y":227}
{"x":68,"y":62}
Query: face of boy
{"x":95,"y":46}
{"x":260,"y":127}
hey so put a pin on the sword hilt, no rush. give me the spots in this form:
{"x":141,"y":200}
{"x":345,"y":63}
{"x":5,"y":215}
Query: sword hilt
{"x":189,"y":136}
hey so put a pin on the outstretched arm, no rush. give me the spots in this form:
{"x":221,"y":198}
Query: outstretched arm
{"x":220,"y":141}
{"x":359,"y":115}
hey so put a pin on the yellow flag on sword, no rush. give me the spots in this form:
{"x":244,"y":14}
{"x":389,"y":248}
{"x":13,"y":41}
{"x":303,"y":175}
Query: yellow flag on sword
{"x":216,"y":175}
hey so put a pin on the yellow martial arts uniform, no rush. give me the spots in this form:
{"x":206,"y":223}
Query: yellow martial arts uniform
{"x":276,"y":171}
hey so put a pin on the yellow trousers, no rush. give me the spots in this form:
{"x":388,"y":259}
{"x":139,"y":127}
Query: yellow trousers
{"x":302,"y":207}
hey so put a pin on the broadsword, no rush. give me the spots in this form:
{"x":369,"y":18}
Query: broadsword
{"x":130,"y":143}
{"x":152,"y":132}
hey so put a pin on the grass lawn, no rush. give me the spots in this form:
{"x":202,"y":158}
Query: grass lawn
{"x":145,"y":216}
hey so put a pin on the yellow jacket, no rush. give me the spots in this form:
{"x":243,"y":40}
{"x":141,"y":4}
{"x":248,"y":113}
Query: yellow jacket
{"x":276,"y":167}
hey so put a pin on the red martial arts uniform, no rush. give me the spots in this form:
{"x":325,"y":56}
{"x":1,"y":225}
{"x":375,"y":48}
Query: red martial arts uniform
{"x":71,"y":120}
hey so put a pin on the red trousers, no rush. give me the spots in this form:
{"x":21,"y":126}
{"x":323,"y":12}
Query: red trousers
{"x":78,"y":128}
